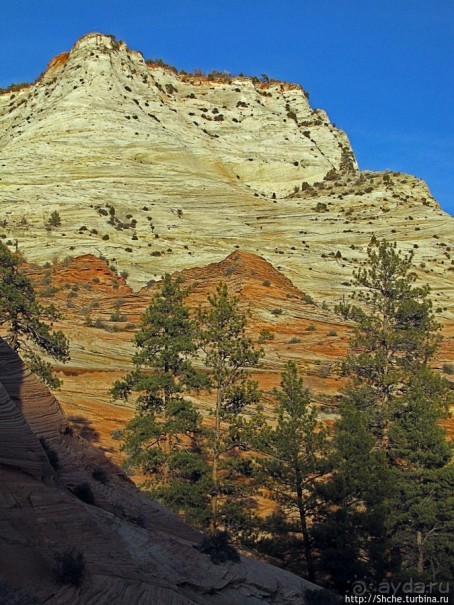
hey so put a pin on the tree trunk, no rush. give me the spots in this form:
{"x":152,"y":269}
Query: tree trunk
{"x":305,"y":532}
{"x":166,"y":447}
{"x":419,"y":544}
{"x":214,"y":467}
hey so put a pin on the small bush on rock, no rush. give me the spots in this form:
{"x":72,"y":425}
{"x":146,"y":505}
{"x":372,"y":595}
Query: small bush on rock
{"x":84,"y":492}
{"x":218,"y":547}
{"x":69,"y":567}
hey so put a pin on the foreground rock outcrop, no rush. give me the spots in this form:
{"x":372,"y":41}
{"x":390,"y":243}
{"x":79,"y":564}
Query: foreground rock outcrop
{"x":135,"y":551}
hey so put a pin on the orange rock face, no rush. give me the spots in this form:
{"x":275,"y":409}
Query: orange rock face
{"x":282,"y":319}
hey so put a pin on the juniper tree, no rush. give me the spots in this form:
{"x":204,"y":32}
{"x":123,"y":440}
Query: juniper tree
{"x":293,"y":457}
{"x":397,"y":401}
{"x":228,"y":353}
{"x":28,"y":323}
{"x":162,"y":440}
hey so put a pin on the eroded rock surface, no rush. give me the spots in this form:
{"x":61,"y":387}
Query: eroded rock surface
{"x":135,"y":550}
{"x":160,"y":171}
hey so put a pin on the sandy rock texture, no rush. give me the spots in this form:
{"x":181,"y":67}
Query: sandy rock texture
{"x":215,"y":179}
{"x":159,"y":171}
{"x":100,"y":313}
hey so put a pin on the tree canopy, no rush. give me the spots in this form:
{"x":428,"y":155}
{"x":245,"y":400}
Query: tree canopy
{"x":392,"y":469}
{"x":28,"y":323}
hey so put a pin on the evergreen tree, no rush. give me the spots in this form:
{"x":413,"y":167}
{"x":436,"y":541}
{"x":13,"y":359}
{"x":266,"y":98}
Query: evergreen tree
{"x":394,"y":403}
{"x":54,"y":220}
{"x":424,"y":479}
{"x":395,"y":336}
{"x":28,"y":323}
{"x":293,"y":457}
{"x":228,"y":352}
{"x":351,"y":532}
{"x":162,"y":440}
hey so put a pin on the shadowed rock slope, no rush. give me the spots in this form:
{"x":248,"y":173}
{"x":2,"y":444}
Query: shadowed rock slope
{"x":135,"y":551}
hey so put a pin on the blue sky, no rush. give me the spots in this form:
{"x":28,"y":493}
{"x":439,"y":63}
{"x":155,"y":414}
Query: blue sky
{"x":382,"y":69}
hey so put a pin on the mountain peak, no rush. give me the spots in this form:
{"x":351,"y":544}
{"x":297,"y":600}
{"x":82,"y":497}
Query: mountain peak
{"x":160,"y":171}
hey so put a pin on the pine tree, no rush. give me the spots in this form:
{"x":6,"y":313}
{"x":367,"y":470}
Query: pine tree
{"x":351,"y":531}
{"x":228,"y":352}
{"x":293,"y":457}
{"x":54,"y":220}
{"x":395,"y":335}
{"x":162,"y":440}
{"x":28,"y":323}
{"x":394,"y":402}
{"x":424,"y":480}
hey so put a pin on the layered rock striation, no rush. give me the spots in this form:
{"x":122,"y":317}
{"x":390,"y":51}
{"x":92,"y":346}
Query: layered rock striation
{"x":159,"y":171}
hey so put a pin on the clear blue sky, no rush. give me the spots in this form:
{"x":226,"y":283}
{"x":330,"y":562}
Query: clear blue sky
{"x":382,"y":69}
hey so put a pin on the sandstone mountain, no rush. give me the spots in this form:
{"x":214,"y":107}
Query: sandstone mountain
{"x":215,"y":178}
{"x":160,"y":171}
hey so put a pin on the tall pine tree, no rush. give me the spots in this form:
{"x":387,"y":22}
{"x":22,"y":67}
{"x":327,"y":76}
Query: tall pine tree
{"x":162,"y":440}
{"x":293,"y":458}
{"x":390,"y":423}
{"x":228,"y":353}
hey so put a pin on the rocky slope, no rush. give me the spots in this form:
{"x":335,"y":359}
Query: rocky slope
{"x":134,"y":550}
{"x":160,"y":171}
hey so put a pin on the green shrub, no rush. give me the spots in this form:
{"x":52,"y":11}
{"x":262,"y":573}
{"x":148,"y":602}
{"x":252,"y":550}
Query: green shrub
{"x":276,"y":311}
{"x":218,"y":547}
{"x":265,"y":335}
{"x":49,"y":291}
{"x":69,"y":567}
{"x":84,"y":492}
{"x":448,"y":368}
{"x":324,"y":371}
{"x":54,"y":220}
{"x":117,"y":316}
{"x":98,"y":323}
{"x":311,"y":328}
